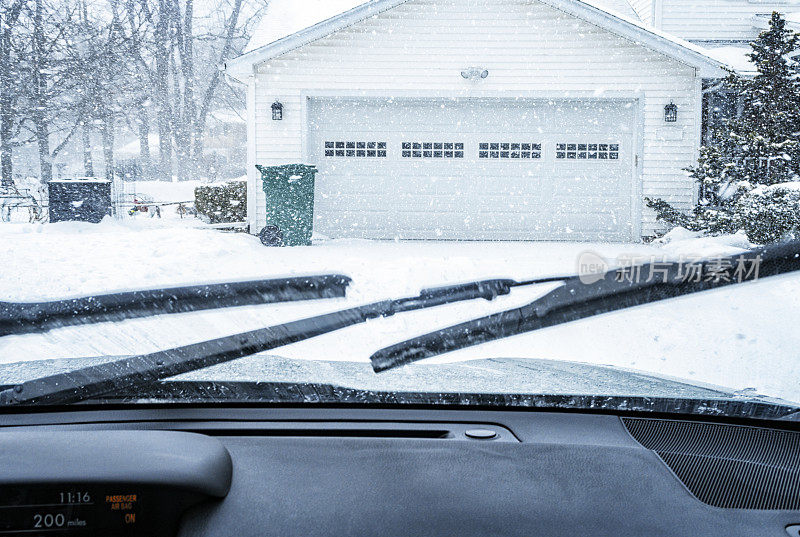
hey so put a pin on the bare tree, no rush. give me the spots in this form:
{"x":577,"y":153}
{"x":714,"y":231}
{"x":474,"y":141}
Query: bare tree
{"x":10,"y":88}
{"x":69,"y":70}
{"x":52,"y":97}
{"x":226,"y":50}
{"x":141,"y":79}
{"x":166,"y":48}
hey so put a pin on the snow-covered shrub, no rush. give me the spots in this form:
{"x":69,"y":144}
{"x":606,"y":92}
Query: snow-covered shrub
{"x":770,"y":213}
{"x":765,"y":213}
{"x":222,"y":202}
{"x":758,"y":148}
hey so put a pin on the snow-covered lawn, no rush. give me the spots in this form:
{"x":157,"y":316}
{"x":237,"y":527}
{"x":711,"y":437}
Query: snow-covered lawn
{"x":741,"y":337}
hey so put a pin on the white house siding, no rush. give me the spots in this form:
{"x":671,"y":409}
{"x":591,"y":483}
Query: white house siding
{"x":716,"y":20}
{"x":531,"y":50}
{"x":643,"y":9}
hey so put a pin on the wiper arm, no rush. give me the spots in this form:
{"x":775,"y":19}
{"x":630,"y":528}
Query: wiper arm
{"x":576,"y":300}
{"x":34,"y":317}
{"x":136,"y":371}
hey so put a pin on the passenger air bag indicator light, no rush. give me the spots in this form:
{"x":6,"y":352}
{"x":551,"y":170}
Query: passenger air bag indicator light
{"x":121,"y":502}
{"x":480,"y":434}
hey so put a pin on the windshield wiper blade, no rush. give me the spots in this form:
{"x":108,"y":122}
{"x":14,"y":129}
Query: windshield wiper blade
{"x":576,"y":300}
{"x":95,"y":381}
{"x":37,"y":317}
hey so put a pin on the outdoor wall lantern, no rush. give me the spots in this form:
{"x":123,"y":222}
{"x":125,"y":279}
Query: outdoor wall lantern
{"x":277,"y":111}
{"x":671,"y":113}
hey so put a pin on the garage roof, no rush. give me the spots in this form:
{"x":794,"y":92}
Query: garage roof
{"x":283,"y":18}
{"x":286,"y":28}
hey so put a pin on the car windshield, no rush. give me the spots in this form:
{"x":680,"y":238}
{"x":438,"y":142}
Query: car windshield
{"x":503,"y":202}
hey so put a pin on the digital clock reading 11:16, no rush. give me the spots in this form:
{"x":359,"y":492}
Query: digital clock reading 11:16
{"x":74,"y":497}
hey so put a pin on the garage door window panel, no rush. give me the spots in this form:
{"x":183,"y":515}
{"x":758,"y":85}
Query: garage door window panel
{"x":432,"y":150}
{"x":587,"y":151}
{"x":355,"y":149}
{"x":509,"y":150}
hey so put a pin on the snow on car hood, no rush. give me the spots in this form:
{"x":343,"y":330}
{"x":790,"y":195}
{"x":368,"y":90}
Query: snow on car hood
{"x":490,"y":376}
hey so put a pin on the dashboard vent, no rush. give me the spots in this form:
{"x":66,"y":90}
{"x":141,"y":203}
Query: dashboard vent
{"x":731,"y":466}
{"x":330,"y":433}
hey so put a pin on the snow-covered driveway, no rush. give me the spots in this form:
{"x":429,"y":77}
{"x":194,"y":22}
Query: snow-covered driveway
{"x":742,"y":337}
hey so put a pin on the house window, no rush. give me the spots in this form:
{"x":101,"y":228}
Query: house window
{"x":432,"y":150}
{"x":586,"y":151}
{"x":355,"y":149}
{"x":719,"y":106}
{"x":516,"y":150}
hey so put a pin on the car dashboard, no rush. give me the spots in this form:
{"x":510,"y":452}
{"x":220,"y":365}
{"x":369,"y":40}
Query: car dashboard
{"x":172,"y":470}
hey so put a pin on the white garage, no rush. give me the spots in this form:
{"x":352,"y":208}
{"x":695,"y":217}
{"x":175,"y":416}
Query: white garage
{"x":475,"y":119}
{"x":491,"y":169}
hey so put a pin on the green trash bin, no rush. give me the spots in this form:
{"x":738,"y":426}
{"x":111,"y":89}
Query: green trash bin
{"x":290,"y":204}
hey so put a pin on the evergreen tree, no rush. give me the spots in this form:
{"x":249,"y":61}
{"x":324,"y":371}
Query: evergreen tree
{"x":759,"y":147}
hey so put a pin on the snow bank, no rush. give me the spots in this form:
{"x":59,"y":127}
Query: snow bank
{"x":790,"y":186}
{"x":682,"y":243}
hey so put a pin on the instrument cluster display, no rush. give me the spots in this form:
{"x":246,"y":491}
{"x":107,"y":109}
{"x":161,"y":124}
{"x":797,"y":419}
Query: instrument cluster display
{"x":80,"y":510}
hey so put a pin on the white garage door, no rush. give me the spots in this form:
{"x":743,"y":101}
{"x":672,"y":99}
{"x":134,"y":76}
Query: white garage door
{"x":473,"y":169}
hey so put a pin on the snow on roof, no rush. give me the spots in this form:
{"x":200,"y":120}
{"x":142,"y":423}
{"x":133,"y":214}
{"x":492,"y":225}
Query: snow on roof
{"x":132,"y":148}
{"x":734,"y":56}
{"x":636,"y":26}
{"x":310,"y":24}
{"x":283,"y":18}
{"x":617,"y":7}
{"x":80,"y":180}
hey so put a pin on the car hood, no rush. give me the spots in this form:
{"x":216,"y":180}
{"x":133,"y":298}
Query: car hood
{"x":487,"y":376}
